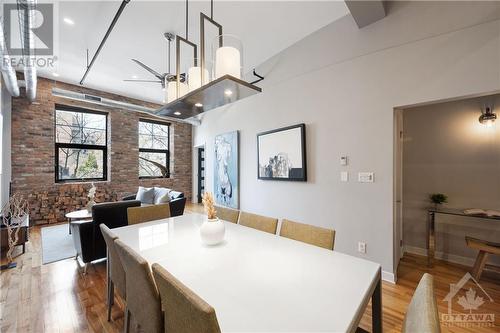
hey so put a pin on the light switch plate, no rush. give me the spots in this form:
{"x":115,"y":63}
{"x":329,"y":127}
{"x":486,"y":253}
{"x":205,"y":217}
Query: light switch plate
{"x":343,"y":160}
{"x":344,"y":176}
{"x":366,"y":177}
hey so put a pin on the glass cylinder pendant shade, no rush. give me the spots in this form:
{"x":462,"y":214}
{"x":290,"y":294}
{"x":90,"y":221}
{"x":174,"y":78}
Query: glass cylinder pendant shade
{"x":194,"y":77}
{"x":228,"y":52}
{"x":171,"y":90}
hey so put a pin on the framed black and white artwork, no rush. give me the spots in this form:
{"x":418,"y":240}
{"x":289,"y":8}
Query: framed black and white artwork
{"x":281,"y":154}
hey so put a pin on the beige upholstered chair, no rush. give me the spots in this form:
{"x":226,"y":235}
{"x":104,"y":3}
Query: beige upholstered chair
{"x":114,"y":269}
{"x":143,"y":300}
{"x":227,"y":214}
{"x":422,"y":314}
{"x":308,"y":234}
{"x":147,"y":213}
{"x":185,"y":312}
{"x":262,"y":223}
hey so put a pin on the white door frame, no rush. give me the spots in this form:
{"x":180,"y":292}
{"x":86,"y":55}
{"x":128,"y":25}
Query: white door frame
{"x":398,"y":189}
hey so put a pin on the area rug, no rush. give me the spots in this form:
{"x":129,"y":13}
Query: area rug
{"x":57,"y":244}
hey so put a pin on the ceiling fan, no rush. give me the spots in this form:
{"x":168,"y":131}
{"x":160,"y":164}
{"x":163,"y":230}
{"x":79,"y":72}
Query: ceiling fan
{"x":161,"y":78}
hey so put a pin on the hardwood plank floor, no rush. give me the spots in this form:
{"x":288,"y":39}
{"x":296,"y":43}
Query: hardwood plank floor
{"x":58,"y":298}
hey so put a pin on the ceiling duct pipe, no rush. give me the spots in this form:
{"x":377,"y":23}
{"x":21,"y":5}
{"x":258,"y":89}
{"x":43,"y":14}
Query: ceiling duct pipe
{"x":27,"y":17}
{"x":97,"y":100}
{"x":8,"y":72}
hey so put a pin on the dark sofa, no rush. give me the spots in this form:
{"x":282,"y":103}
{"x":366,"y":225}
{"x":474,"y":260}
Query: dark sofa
{"x":177,"y":202}
{"x":87,"y":237}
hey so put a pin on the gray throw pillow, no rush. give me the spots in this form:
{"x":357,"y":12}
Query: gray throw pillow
{"x":145,"y":195}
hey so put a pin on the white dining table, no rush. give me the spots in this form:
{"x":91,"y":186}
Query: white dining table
{"x":260,"y":282}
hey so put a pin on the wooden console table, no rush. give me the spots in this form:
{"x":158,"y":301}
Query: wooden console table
{"x":431,"y":227}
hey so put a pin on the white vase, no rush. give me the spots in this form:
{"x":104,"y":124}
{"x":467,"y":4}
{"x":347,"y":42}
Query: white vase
{"x":90,"y":204}
{"x":212,"y":231}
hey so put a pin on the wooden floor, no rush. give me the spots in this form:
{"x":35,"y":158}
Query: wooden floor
{"x":58,"y":298}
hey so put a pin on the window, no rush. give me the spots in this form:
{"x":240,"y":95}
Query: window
{"x":154,"y":144}
{"x":81,"y":144}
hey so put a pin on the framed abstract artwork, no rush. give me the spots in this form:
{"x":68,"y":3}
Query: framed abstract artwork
{"x":281,"y":154}
{"x":226,"y":170}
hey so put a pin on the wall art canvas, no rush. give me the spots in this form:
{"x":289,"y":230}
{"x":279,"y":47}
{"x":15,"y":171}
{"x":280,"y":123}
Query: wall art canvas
{"x":226,"y":170}
{"x":282,"y":154}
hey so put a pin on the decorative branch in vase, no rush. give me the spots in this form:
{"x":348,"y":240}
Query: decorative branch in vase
{"x":14,"y":214}
{"x":212,"y":231}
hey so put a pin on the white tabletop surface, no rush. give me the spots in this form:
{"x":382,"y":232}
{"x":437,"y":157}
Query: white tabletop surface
{"x":259,"y":282}
{"x":79,"y":214}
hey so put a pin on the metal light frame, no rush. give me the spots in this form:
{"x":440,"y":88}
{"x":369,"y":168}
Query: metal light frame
{"x":178,"y":40}
{"x":204,"y":18}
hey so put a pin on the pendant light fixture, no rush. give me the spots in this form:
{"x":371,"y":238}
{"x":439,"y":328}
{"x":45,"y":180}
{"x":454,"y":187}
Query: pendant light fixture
{"x":198,"y":88}
{"x":488,"y":117}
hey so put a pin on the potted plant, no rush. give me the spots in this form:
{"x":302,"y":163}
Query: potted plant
{"x":438,"y":199}
{"x":212,"y":231}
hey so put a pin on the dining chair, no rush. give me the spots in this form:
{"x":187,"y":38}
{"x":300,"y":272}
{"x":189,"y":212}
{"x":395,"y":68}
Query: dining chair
{"x":227,"y":214}
{"x":114,"y":269}
{"x":422,"y":314}
{"x":306,"y":233}
{"x":485,"y":249}
{"x":184,"y":311}
{"x":262,"y":223}
{"x":147,"y":213}
{"x":143,"y":299}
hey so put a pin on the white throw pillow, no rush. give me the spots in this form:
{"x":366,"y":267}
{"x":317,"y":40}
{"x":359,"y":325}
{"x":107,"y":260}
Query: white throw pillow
{"x":145,"y":195}
{"x":160,"y":194}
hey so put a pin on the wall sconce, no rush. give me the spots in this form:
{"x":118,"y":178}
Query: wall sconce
{"x":488,"y":117}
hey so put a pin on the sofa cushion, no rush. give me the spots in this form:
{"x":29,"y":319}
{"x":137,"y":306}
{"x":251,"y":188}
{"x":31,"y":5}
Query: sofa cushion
{"x":161,"y":195}
{"x":145,"y":195}
{"x":175,"y":195}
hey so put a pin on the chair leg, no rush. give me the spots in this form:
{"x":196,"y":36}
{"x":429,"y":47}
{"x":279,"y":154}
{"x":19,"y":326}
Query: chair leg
{"x":126,"y":323}
{"x":111,"y":297}
{"x":481,"y":259}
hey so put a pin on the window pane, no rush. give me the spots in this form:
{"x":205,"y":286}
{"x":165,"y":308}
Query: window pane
{"x":80,"y":163}
{"x":80,"y":127}
{"x":152,"y":164}
{"x":145,"y":141}
{"x":153,"y":136}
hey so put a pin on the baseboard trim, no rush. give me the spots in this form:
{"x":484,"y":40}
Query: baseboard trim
{"x":388,"y":277}
{"x":466,"y":261}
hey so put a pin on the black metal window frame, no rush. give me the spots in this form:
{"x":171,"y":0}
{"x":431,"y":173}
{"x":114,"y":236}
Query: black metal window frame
{"x":158,"y":151}
{"x":58,"y":145}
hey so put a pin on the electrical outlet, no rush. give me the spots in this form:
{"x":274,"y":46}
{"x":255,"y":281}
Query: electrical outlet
{"x":361,"y":247}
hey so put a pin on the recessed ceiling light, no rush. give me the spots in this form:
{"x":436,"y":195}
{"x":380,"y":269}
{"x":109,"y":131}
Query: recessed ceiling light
{"x":198,"y":105}
{"x":177,"y":113}
{"x":69,"y":21}
{"x":55,"y":74}
{"x":228,"y":92}
{"x":134,"y":76}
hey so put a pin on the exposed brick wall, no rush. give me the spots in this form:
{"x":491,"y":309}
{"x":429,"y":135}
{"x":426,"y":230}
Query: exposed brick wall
{"x":33,"y":154}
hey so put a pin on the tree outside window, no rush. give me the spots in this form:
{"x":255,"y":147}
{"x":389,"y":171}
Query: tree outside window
{"x":80,"y":144}
{"x":154,"y":143}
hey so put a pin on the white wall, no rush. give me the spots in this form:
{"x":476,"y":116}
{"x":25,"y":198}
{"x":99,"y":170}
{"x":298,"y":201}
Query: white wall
{"x":344,"y":83}
{"x":446,"y":150}
{"x":5,"y":164}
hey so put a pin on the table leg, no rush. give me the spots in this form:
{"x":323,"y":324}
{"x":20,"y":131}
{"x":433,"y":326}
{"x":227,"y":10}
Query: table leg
{"x":69,"y":226}
{"x":431,"y":239}
{"x":377,"y":308}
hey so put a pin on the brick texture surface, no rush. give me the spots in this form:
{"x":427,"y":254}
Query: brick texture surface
{"x":33,"y":153}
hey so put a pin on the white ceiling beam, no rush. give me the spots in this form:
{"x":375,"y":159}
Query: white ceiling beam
{"x":366,"y":12}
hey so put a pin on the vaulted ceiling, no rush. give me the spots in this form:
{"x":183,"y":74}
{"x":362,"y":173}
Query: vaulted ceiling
{"x":265,"y":28}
